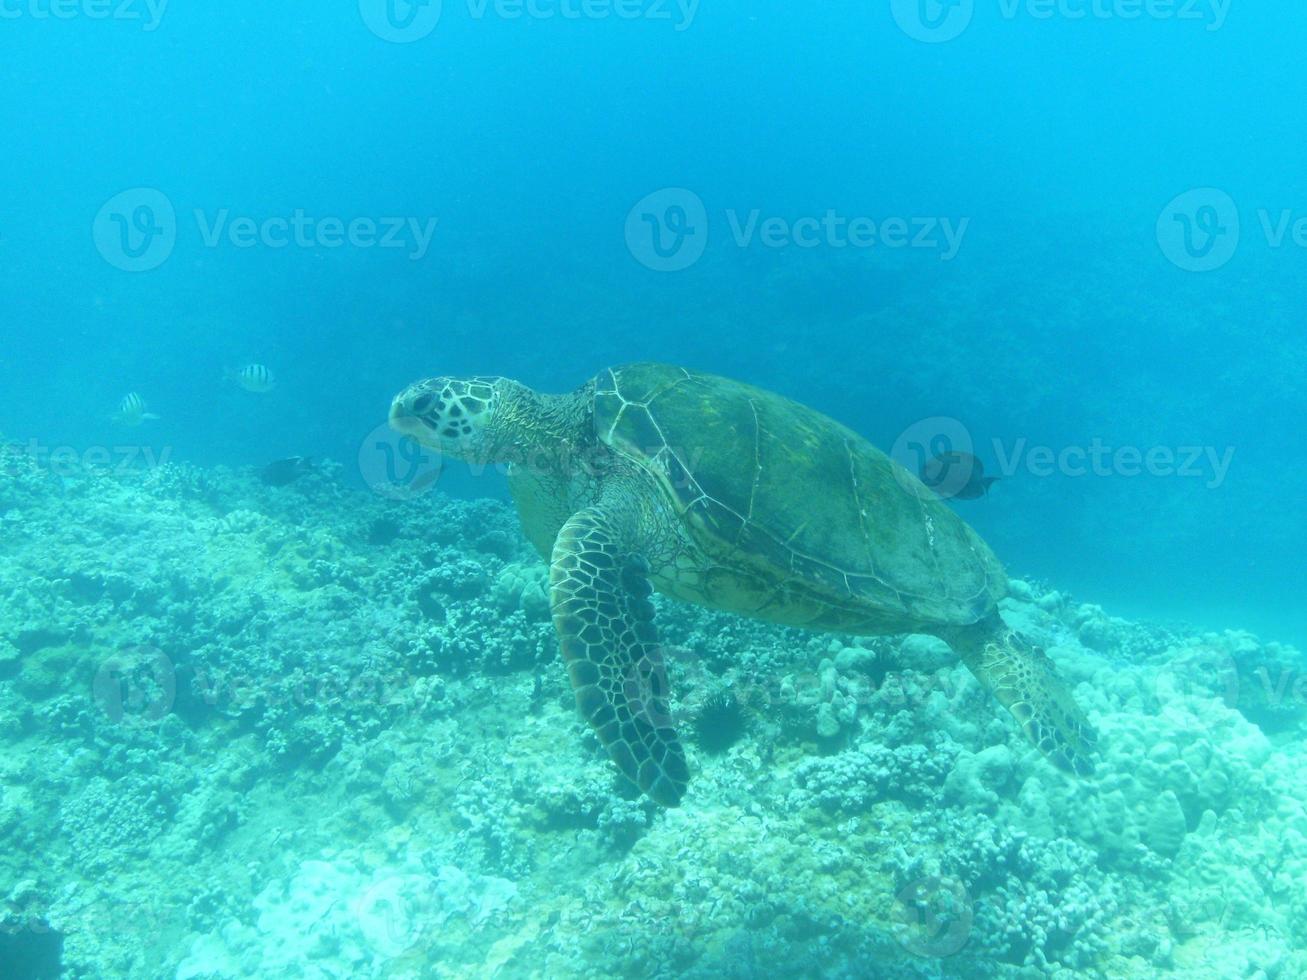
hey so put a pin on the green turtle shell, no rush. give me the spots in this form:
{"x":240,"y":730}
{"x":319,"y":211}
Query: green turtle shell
{"x":811,"y":514}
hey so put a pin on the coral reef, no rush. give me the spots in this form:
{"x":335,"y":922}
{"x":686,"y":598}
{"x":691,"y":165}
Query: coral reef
{"x":311,"y":731}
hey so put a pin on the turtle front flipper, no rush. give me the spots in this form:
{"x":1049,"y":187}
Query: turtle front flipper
{"x":1025,"y":682}
{"x":599,"y":590}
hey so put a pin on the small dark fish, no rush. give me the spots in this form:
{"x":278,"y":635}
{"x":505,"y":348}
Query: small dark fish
{"x":285,"y":471}
{"x":956,"y":475}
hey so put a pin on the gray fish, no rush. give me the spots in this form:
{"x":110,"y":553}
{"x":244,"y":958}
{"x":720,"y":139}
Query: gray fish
{"x":956,"y":475}
{"x":285,"y":471}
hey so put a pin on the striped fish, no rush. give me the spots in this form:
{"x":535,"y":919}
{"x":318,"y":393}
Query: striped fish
{"x":254,"y":378}
{"x":133,"y":411}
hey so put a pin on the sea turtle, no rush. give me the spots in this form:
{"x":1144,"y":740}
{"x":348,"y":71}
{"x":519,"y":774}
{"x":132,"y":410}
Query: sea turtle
{"x":651,"y":477}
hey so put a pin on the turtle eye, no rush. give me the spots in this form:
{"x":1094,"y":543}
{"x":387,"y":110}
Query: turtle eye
{"x":422,"y":404}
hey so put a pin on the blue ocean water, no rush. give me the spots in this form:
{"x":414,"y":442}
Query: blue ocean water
{"x":1068,"y":237}
{"x":1057,"y":136}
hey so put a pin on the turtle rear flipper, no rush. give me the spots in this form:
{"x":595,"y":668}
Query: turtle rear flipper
{"x":1025,"y":682}
{"x":599,"y":591}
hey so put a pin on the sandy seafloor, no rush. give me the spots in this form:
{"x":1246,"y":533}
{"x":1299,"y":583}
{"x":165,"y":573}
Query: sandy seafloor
{"x":311,"y":732}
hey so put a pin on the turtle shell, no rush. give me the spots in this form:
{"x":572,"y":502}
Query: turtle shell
{"x":766,"y":484}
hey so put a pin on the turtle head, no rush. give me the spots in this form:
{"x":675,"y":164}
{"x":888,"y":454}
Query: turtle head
{"x":459,"y":417}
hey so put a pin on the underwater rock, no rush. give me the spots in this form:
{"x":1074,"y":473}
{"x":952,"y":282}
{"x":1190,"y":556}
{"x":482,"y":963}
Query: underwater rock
{"x":1051,"y":601}
{"x":828,"y":725}
{"x":1020,"y":590}
{"x":980,"y":779}
{"x":856,"y":660}
{"x":1166,"y":826}
{"x":1096,"y":629}
{"x":925,"y":653}
{"x":523,"y":586}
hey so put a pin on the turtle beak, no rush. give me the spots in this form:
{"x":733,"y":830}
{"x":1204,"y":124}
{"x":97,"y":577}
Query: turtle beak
{"x":402,"y":417}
